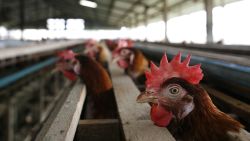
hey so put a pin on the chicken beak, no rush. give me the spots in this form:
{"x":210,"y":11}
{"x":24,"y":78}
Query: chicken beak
{"x":131,"y":58}
{"x":146,"y":97}
{"x":116,"y":59}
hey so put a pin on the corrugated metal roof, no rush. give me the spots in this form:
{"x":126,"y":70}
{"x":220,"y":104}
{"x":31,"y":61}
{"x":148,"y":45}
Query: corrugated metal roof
{"x":108,"y":14}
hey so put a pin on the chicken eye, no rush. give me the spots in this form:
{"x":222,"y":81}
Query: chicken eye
{"x":124,"y":52}
{"x":174,"y":90}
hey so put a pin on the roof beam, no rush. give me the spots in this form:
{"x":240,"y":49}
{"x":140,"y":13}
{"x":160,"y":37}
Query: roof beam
{"x":209,"y":12}
{"x":169,"y":8}
{"x":150,"y":6}
{"x":126,"y":1}
{"x":132,"y":1}
{"x":15,"y":3}
{"x":106,"y":10}
{"x":165,"y":18}
{"x":120,"y":8}
{"x":21,"y":16}
{"x":81,"y":13}
{"x":175,"y":5}
{"x":127,"y":12}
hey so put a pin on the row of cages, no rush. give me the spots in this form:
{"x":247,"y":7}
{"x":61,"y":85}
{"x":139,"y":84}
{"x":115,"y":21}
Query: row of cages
{"x":25,"y":103}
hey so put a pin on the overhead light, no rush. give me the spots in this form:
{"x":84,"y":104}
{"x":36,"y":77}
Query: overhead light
{"x":87,"y":3}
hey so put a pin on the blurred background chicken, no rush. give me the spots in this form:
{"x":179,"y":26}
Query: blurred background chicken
{"x":179,"y":103}
{"x":90,"y":48}
{"x":133,"y":61}
{"x":99,"y":86}
{"x":98,"y":51}
{"x":113,"y":44}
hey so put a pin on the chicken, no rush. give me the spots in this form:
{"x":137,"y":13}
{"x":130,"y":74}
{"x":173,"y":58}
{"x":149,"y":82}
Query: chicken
{"x":114,"y":44}
{"x":90,"y":48}
{"x":180,"y":103}
{"x":111,"y":44}
{"x":96,"y":79}
{"x":133,"y":61}
{"x":98,"y":51}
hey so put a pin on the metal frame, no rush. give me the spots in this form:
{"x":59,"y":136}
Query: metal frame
{"x":107,"y":14}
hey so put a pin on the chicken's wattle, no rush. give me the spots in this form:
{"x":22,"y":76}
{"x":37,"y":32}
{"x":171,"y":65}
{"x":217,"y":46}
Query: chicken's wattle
{"x":70,"y":75}
{"x":160,"y":116}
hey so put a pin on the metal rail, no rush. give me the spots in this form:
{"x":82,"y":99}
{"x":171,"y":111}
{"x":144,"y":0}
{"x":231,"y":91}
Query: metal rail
{"x":6,"y":53}
{"x":7,"y":80}
{"x":225,"y":49}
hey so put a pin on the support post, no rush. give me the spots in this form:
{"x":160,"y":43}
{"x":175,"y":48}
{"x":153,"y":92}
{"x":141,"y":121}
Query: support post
{"x":37,"y":9}
{"x":133,"y":20}
{"x":209,"y":25}
{"x":42,"y":100}
{"x":136,"y":19}
{"x":165,"y":18}
{"x":146,"y":20}
{"x":21,"y":16}
{"x":130,"y":22}
{"x":1,"y":6}
{"x":1,"y":15}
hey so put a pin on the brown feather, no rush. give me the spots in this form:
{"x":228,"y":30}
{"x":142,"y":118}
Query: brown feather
{"x":140,"y":63}
{"x":99,"y":89}
{"x":94,"y":75}
{"x":138,"y":67}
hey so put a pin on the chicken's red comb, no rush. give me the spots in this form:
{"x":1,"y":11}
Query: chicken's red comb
{"x":66,"y":54}
{"x":130,"y":43}
{"x":157,"y":75}
{"x":124,"y":43}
